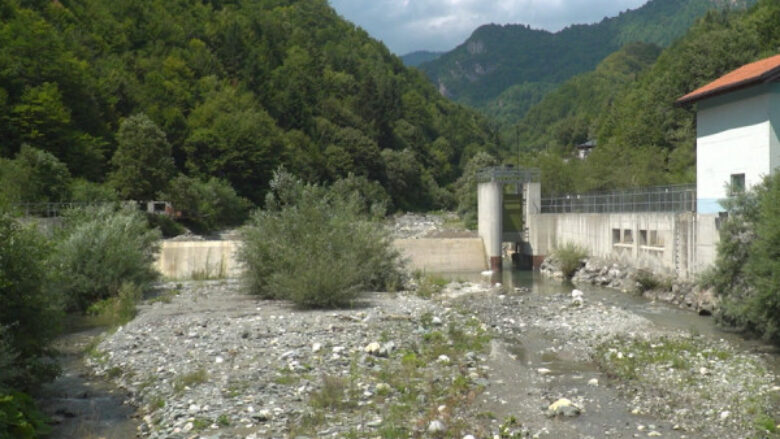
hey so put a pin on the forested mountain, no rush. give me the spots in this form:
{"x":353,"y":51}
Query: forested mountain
{"x":497,"y":57}
{"x":414,"y":59}
{"x":231,"y":89}
{"x":645,"y":139}
{"x":569,"y":115}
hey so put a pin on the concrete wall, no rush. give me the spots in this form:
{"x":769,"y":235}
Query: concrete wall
{"x":179,"y":260}
{"x":444,"y":255}
{"x":733,"y":137}
{"x":664,"y":242}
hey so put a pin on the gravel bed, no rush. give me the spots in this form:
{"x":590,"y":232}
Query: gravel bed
{"x":204,"y":360}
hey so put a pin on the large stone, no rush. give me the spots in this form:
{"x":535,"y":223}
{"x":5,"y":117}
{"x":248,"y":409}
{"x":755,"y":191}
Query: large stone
{"x":563,"y":407}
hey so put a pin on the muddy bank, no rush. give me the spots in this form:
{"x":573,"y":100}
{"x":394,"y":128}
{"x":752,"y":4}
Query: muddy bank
{"x":207,"y":361}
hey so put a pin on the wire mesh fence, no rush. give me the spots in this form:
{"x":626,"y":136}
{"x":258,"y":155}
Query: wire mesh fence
{"x":676,"y":198}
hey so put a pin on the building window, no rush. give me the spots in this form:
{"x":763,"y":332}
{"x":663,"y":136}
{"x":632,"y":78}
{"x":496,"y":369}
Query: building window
{"x":737,"y":184}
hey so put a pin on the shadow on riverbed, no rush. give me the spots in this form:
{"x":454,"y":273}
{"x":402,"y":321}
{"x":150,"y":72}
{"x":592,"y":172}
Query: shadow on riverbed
{"x":79,"y":404}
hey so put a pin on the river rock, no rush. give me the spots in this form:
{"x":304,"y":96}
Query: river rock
{"x":436,"y":426}
{"x":563,"y":407}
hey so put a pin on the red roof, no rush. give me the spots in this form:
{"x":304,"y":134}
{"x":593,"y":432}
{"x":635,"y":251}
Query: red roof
{"x":766,"y":70}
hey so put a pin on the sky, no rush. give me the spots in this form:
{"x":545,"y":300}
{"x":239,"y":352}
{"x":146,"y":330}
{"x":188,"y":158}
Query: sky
{"x":409,"y":25}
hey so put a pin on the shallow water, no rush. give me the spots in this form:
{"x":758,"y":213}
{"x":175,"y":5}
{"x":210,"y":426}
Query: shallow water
{"x":81,"y":405}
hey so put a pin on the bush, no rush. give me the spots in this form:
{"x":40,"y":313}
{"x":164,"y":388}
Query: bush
{"x":315,"y":247}
{"x":569,"y":258}
{"x":29,"y":312}
{"x":746,"y":274}
{"x":207,"y":205}
{"x":19,"y":418}
{"x":100,"y":249}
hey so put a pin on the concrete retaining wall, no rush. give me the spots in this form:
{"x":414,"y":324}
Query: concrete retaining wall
{"x":682,"y":243}
{"x":444,"y":255}
{"x":179,"y":260}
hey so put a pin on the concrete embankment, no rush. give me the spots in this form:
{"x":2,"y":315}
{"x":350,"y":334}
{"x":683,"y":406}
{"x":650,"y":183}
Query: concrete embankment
{"x":180,"y":260}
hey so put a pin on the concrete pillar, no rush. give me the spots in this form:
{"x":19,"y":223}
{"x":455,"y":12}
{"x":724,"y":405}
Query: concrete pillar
{"x":490,"y":218}
{"x":532,"y":206}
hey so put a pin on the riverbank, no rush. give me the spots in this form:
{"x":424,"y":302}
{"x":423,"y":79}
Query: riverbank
{"x":206,"y":361}
{"x":623,"y":277}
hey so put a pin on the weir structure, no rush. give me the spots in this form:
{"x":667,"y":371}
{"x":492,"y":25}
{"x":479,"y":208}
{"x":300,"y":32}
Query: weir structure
{"x":506,"y":196}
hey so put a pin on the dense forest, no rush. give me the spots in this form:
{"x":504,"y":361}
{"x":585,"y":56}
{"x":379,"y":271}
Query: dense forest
{"x":109,"y":99}
{"x":643,"y":137}
{"x":482,"y":71}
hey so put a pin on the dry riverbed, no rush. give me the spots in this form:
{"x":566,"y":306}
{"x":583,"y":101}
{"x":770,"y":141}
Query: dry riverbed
{"x":204,"y":360}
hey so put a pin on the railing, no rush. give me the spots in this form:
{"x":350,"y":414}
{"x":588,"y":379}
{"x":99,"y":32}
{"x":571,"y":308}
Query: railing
{"x":53,"y":210}
{"x":677,"y":198}
{"x":506,"y":174}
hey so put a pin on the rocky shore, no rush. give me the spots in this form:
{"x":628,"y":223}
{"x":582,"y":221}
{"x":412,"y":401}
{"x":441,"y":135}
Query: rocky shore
{"x":203,"y":360}
{"x":663,"y":287}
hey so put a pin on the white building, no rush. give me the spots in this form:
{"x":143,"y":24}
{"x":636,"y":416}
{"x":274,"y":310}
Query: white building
{"x":738,"y":131}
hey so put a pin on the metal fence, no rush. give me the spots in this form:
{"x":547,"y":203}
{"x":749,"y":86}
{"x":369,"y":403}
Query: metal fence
{"x":677,"y":198}
{"x":54,"y":210}
{"x":508,"y":174}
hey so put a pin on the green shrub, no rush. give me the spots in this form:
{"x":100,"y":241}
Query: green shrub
{"x":315,"y":247}
{"x":19,"y":418}
{"x":207,"y":205}
{"x":569,"y":257}
{"x":746,"y":274}
{"x":29,"y":312}
{"x":100,"y":249}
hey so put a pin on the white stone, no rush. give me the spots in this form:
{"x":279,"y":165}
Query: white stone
{"x":443,"y":359}
{"x":469,"y":436}
{"x":372,"y":348}
{"x":543,"y":371}
{"x":316,"y":347}
{"x":725,"y":414}
{"x":436,"y":426}
{"x":219,"y":360}
{"x":593,"y":382}
{"x":194,"y":408}
{"x":188,"y":427}
{"x":654,"y":434}
{"x":436,"y":321}
{"x":442,"y":408}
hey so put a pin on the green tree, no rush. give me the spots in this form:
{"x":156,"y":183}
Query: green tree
{"x":34,"y":176}
{"x":234,"y":138}
{"x":207,"y":205}
{"x":142,"y":163}
{"x":29,"y":310}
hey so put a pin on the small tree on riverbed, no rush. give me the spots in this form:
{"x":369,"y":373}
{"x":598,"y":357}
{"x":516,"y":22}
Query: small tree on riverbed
{"x":315,"y":246}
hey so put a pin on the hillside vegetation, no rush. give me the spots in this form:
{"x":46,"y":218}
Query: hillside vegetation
{"x":497,"y":57}
{"x":217,"y":89}
{"x":644,"y":139}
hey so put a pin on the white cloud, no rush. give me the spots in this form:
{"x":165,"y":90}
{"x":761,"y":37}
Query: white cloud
{"x":408,"y":25}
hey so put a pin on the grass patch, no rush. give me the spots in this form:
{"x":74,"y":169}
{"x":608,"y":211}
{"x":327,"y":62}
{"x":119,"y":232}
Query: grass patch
{"x":181,"y":382}
{"x":118,"y":310}
{"x":570,"y":257}
{"x":429,"y":285}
